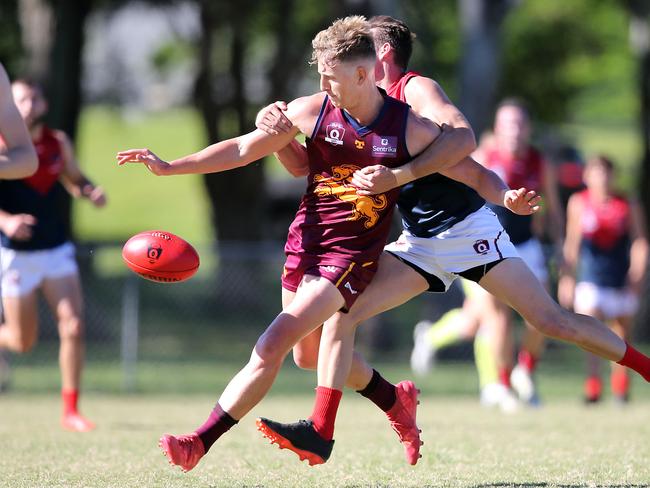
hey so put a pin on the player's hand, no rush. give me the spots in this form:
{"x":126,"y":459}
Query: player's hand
{"x":522,"y":202}
{"x":271,"y":119}
{"x":372,"y":180}
{"x":95,"y":194}
{"x":19,"y":226}
{"x":153,"y":163}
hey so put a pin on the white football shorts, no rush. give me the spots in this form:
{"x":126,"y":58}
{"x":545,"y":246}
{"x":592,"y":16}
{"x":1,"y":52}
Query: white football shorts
{"x":610,"y":302}
{"x":477,"y":240}
{"x":532,"y":254}
{"x":24,"y":271}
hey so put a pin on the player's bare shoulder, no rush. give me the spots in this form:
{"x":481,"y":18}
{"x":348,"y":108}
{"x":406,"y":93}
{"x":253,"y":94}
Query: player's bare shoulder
{"x":420,"y":133}
{"x":303,"y":112}
{"x":421,"y":91}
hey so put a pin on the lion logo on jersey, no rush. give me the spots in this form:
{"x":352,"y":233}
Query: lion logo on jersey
{"x":337,"y":185}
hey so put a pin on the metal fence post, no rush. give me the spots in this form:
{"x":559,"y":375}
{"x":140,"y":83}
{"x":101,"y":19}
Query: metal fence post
{"x":130,"y":326}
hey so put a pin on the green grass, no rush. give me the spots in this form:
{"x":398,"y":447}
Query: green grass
{"x":137,"y":200}
{"x":564,"y":444}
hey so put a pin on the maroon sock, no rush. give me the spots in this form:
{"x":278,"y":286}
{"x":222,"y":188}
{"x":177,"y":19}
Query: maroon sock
{"x":218,"y":423}
{"x":380,"y":392}
{"x":324,"y":414}
{"x":527,"y":360}
{"x":504,"y":376}
{"x":637,"y":361}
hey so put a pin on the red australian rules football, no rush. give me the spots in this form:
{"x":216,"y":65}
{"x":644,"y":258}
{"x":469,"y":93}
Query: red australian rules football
{"x":160,"y":256}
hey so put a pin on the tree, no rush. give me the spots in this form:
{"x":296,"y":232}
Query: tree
{"x":481,"y":59}
{"x":640,"y":40}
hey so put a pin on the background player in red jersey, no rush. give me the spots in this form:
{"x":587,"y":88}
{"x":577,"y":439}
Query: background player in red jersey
{"x":36,"y":253}
{"x":17,"y":155}
{"x":605,"y":251}
{"x":337,"y":236}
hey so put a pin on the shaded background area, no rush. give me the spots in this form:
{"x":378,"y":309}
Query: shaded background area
{"x":177,"y":75}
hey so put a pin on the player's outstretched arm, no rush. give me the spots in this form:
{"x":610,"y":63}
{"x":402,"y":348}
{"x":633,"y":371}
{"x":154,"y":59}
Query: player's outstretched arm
{"x":492,"y":188}
{"x":73,"y":179}
{"x":18,"y":157}
{"x":272,"y":120}
{"x":235,"y":152}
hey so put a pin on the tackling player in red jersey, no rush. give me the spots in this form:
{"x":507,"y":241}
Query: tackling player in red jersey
{"x":337,"y":236}
{"x":36,"y":253}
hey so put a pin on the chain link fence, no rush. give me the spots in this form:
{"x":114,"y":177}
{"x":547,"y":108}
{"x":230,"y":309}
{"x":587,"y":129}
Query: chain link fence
{"x":134,"y":326}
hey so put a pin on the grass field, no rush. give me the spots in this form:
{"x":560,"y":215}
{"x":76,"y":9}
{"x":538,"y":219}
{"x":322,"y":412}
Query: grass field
{"x":563,"y":444}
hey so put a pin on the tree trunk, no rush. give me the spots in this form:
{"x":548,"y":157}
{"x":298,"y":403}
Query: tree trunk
{"x":640,"y":41}
{"x":237,"y":196}
{"x":481,"y":62}
{"x":63,"y":86}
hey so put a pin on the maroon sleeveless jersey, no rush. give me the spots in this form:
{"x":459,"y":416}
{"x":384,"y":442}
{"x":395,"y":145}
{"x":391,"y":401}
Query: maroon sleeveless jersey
{"x":334,"y":224}
{"x":396,"y":90}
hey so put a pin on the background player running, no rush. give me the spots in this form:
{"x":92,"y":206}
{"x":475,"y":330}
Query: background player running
{"x":337,"y":236}
{"x":36,"y":252}
{"x":605,"y":251}
{"x":426,"y":258}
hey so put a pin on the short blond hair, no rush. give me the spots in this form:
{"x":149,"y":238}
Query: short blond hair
{"x":346,"y":39}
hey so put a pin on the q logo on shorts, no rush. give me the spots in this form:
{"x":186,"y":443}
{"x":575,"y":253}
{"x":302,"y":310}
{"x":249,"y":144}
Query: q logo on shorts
{"x":481,"y":246}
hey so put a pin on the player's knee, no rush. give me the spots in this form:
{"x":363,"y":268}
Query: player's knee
{"x":552,"y":323}
{"x":270,"y":350}
{"x":305,"y":359}
{"x":71,"y":328}
{"x":22,"y":343}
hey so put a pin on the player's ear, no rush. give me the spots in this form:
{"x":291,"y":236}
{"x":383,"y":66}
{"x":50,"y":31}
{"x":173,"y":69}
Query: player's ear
{"x":383,"y":50}
{"x":361,"y":74}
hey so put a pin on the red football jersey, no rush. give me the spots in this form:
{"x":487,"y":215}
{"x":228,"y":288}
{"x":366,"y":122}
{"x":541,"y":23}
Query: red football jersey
{"x":525,"y":171}
{"x":50,"y":162}
{"x":604,"y":223}
{"x":333,"y":222}
{"x":396,"y":90}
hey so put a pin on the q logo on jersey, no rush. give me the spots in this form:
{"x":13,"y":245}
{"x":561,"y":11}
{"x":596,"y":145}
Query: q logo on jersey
{"x":482,"y":246}
{"x":154,"y":253}
{"x":334,"y":133}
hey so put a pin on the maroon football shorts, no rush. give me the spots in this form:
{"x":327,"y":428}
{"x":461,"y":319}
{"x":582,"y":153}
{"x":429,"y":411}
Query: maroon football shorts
{"x":350,"y":278}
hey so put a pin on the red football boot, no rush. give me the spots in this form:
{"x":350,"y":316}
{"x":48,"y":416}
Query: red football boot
{"x":76,"y":423}
{"x":402,"y":419}
{"x":184,"y":450}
